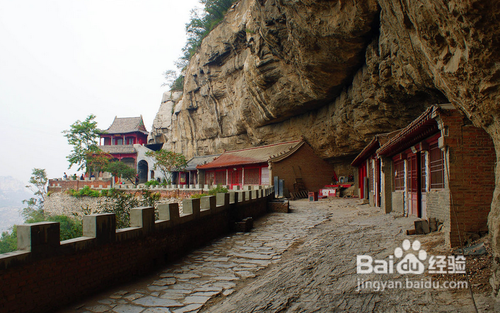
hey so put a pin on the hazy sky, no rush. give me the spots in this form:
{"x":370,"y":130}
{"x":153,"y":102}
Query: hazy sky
{"x":61,"y":60}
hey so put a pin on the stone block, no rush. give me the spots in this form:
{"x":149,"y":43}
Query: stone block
{"x":233,"y":197}
{"x":39,"y":238}
{"x":279,"y":206}
{"x":163,"y":212}
{"x":245,"y":225}
{"x":223,"y":199}
{"x":191,"y":206}
{"x":253,"y":194}
{"x":173,"y":209}
{"x":102,"y":227}
{"x":236,"y":187}
{"x":143,"y":217}
{"x":241,"y":196}
{"x":208,"y":203}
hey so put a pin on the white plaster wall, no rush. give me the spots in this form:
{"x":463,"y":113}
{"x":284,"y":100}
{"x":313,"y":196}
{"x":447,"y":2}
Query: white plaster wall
{"x":141,"y":155}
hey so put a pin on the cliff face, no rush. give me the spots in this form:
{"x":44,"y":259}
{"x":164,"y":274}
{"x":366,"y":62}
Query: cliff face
{"x":336,"y":72}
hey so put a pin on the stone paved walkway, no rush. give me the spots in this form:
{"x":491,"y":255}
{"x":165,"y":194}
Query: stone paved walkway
{"x":304,"y":261}
{"x":216,"y":269}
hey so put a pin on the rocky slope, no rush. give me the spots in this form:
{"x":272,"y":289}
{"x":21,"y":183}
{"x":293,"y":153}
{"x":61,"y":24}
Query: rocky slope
{"x":336,"y":72}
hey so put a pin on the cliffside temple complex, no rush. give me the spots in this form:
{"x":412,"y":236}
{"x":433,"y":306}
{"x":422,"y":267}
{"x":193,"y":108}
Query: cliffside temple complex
{"x":406,"y":92}
{"x":439,"y":166}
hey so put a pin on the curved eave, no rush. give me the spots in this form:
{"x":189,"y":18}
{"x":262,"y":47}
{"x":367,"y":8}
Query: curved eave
{"x":421,"y":128}
{"x":366,"y":152}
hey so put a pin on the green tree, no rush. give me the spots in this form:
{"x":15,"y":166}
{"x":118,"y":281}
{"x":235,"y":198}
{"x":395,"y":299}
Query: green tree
{"x":168,"y":161}
{"x":98,"y":161}
{"x":84,"y":138}
{"x":201,"y":23}
{"x":38,"y":181}
{"x":34,"y":212}
{"x":120,"y":169}
{"x":8,"y":241}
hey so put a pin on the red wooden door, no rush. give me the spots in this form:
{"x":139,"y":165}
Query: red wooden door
{"x":235,"y":177}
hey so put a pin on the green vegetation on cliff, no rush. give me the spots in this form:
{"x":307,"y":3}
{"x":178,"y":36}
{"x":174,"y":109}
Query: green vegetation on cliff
{"x":201,"y":24}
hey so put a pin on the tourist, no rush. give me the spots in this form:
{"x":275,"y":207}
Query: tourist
{"x":65,"y":176}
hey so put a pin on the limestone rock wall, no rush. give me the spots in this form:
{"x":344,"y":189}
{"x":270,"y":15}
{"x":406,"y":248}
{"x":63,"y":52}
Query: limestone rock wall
{"x":336,"y":72}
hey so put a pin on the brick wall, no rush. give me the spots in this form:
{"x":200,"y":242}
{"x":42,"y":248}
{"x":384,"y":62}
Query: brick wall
{"x":49,"y":274}
{"x":471,"y":175}
{"x":315,"y":172}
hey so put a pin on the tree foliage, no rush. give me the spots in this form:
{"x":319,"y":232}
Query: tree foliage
{"x":34,"y":209}
{"x":34,"y":212}
{"x":84,"y":138}
{"x":98,"y":161}
{"x":120,"y":203}
{"x":120,"y":169}
{"x":202,"y":22}
{"x":200,"y":25}
{"x":168,"y":161}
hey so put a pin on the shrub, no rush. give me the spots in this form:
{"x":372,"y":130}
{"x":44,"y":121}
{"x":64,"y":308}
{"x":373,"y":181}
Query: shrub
{"x":86,"y":191}
{"x":216,"y":190}
{"x":198,"y":196}
{"x":152,"y":182}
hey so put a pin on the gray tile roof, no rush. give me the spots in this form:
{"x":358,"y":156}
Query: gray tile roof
{"x":123,"y":125}
{"x":200,"y":160}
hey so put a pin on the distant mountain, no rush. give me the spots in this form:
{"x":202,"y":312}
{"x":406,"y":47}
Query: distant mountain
{"x":12,"y":194}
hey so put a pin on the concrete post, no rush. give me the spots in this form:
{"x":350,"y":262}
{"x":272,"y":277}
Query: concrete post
{"x":143,"y":217}
{"x":208,"y":203}
{"x":241,"y":196}
{"x":102,"y":227}
{"x":163,"y":212}
{"x":223,"y":199}
{"x":173,"y":212}
{"x":253,"y":194}
{"x":191,"y":206}
{"x":233,"y":197}
{"x":39,"y":238}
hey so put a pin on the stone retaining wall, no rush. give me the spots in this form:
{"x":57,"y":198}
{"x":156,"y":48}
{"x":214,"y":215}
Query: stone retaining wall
{"x":46,"y":274}
{"x":64,"y":204}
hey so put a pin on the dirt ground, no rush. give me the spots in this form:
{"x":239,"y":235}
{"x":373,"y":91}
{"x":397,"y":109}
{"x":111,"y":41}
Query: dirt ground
{"x":318,"y":273}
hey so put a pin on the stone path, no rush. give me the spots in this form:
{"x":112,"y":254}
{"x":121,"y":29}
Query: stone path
{"x":215,"y":270}
{"x":304,"y":261}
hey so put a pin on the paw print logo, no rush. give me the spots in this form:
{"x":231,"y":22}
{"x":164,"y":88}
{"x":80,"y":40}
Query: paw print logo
{"x":411,"y":263}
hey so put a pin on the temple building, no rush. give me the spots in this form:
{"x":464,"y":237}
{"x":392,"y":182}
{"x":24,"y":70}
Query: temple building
{"x":119,"y":139}
{"x":439,"y":166}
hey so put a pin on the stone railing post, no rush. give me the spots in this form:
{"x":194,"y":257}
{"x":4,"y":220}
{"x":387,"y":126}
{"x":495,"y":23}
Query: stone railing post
{"x":39,"y":238}
{"x":191,"y":206}
{"x":223,"y":199}
{"x":143,"y":217}
{"x":102,"y":227}
{"x":208,"y":203}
